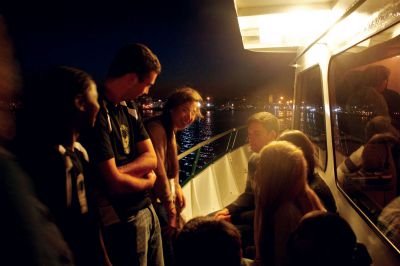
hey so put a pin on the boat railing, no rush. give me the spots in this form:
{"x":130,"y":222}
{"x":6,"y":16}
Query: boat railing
{"x":198,"y":157}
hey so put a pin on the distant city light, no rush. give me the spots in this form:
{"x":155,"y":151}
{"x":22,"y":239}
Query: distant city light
{"x":208,"y":98}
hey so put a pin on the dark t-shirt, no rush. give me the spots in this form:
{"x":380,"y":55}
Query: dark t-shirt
{"x":116,"y":132}
{"x":66,"y":196}
{"x":28,"y":235}
{"x":393,"y":101}
{"x":323,"y":192}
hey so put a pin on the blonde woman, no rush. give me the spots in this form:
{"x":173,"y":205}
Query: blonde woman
{"x":282,"y":198}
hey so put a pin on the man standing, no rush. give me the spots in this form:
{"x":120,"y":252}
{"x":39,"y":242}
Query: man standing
{"x":125,"y":160}
{"x":263,"y":127}
{"x":377,"y":77}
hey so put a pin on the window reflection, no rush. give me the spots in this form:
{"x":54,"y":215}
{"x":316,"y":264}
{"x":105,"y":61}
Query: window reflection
{"x":365,"y":108}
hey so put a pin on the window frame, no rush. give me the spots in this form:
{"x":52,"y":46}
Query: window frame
{"x":296,"y":119}
{"x":332,"y":99}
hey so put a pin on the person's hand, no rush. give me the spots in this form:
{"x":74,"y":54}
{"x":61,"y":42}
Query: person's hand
{"x":179,"y":197}
{"x":223,"y":215}
{"x":169,"y":206}
{"x":151,"y":178}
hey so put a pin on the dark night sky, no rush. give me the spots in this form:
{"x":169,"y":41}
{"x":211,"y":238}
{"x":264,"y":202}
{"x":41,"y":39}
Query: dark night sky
{"x":198,"y":43}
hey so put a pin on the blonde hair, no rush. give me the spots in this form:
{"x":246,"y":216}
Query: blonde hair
{"x":281,"y":180}
{"x":281,"y":173}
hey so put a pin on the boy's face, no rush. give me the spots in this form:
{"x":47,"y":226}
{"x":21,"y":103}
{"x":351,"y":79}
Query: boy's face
{"x":259,"y":136}
{"x":142,"y":87}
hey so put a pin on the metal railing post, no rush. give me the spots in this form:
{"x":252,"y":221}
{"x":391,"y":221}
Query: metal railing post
{"x":194,"y":166}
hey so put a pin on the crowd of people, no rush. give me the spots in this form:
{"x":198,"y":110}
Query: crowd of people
{"x":96,"y":185}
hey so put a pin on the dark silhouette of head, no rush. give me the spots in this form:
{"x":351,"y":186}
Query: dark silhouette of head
{"x":134,"y":58}
{"x":380,"y":124}
{"x":377,"y":77}
{"x":300,"y":140}
{"x":324,"y":238}
{"x":206,"y":241}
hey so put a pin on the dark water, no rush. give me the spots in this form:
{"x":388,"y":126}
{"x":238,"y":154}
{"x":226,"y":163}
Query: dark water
{"x":213,"y":123}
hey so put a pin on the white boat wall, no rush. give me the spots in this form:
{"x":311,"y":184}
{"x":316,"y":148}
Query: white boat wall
{"x":217,"y":185}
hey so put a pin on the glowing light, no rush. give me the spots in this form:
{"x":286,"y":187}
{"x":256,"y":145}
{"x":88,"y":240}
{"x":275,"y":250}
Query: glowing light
{"x":283,"y":30}
{"x":349,"y":28}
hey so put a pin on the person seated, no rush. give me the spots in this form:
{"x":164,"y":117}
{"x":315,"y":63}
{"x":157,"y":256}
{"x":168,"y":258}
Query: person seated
{"x":263,"y":127}
{"x":208,"y":241}
{"x":324,"y":238}
{"x":389,"y":221}
{"x":282,"y":198}
{"x":315,"y":182}
{"x":353,"y":163}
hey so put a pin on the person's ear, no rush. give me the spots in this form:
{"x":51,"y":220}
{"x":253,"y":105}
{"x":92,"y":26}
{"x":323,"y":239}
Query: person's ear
{"x":80,"y":103}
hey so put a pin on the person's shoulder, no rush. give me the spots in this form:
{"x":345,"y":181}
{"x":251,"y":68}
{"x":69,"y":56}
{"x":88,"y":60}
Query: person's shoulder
{"x":247,"y":262}
{"x":78,"y":146}
{"x":155,"y":126}
{"x":254,"y":158}
{"x":391,"y":92}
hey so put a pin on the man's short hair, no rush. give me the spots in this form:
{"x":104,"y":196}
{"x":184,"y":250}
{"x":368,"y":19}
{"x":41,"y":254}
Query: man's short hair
{"x":134,"y":58}
{"x":268,"y":120}
{"x":375,"y":75}
{"x":207,"y":241}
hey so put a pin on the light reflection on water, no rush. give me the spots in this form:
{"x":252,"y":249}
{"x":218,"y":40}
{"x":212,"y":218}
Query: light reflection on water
{"x":213,"y":123}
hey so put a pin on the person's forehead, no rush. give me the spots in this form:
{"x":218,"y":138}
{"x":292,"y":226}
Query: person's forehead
{"x":188,"y":105}
{"x":256,"y":126}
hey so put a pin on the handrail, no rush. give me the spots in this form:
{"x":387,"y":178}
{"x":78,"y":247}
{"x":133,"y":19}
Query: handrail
{"x":208,"y":141}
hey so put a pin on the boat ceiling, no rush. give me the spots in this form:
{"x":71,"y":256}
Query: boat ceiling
{"x":257,"y":7}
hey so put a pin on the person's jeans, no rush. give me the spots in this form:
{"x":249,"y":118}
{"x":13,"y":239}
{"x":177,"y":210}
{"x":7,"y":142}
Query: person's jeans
{"x":136,"y":241}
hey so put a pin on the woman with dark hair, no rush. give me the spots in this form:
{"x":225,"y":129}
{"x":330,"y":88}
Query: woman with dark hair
{"x":315,"y":182}
{"x":66,"y":100}
{"x":180,"y":111}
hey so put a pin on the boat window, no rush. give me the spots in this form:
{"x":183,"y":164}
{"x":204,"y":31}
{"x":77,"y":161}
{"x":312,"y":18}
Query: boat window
{"x":310,"y":112}
{"x":364,"y":84}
